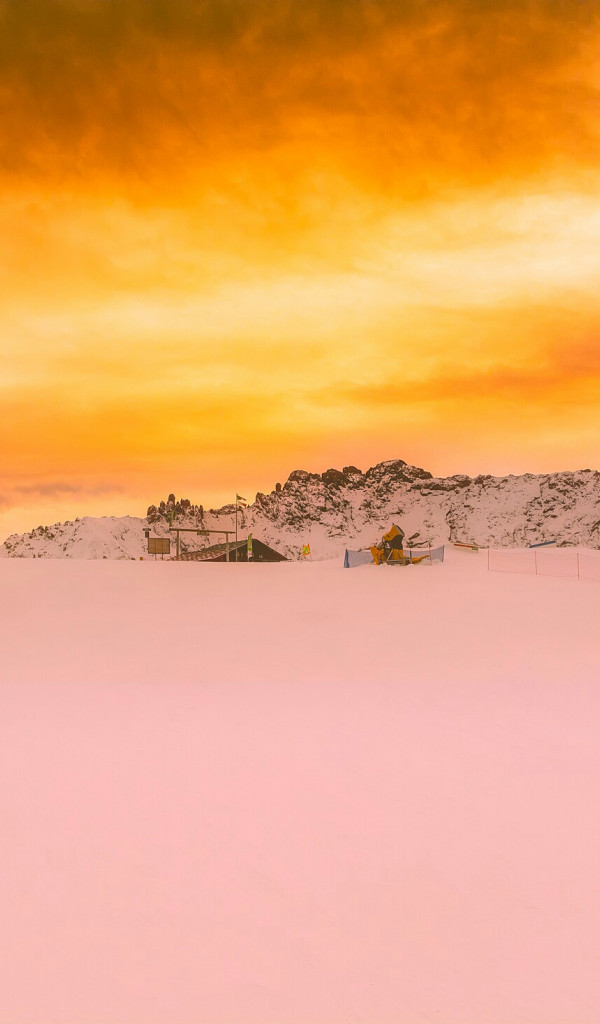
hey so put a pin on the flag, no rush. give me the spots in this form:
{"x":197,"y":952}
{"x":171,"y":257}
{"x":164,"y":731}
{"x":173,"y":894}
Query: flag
{"x":240,"y":501}
{"x":305,"y":550}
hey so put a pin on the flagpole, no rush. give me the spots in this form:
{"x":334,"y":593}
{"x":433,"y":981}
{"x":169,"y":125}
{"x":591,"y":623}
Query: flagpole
{"x":238,"y":498}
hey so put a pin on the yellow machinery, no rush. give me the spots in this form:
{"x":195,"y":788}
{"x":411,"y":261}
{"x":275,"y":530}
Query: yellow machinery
{"x":392,"y":552}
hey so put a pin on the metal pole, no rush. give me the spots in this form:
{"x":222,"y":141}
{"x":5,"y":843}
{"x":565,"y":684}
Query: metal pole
{"x":178,"y":536}
{"x":226,"y":545}
{"x":236,"y":532}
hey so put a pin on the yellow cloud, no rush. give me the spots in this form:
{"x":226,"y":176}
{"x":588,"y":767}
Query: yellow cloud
{"x":252,"y":234}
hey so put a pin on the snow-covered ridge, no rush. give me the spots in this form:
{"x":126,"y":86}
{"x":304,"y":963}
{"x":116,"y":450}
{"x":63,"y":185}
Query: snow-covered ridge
{"x":349,"y":508}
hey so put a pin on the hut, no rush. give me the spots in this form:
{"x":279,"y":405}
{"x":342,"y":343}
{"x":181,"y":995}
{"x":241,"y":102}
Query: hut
{"x":238,"y":552}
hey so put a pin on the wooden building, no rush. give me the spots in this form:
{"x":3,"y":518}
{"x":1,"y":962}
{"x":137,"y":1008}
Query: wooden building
{"x":237,"y":553}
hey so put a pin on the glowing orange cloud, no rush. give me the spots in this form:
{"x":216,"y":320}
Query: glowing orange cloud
{"x":237,"y":237}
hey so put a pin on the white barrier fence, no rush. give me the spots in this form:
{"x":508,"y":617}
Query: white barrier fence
{"x":589,"y":566}
{"x":563,"y":562}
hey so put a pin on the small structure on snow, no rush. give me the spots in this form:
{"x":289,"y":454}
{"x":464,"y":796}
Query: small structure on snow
{"x":391,"y":551}
{"x":238,"y":552}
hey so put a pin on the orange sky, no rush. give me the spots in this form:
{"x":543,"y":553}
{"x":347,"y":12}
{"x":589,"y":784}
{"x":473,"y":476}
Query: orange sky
{"x":240,"y":237}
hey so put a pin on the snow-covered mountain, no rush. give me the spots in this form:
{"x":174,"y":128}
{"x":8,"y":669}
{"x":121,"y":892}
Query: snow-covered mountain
{"x":349,"y":508}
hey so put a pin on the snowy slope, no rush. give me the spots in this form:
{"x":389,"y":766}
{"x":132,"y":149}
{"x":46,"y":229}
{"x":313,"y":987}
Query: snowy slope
{"x":348,"y":508}
{"x":106,"y":537}
{"x":298,"y":794}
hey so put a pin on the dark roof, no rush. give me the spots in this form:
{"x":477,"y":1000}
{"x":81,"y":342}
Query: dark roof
{"x":207,"y":554}
{"x":216,"y":552}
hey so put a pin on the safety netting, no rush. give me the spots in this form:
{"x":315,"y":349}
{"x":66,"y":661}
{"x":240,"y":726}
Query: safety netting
{"x":511,"y":560}
{"x":552,"y":562}
{"x":354,"y":558}
{"x":564,"y":562}
{"x":436,"y":554}
{"x":589,"y":566}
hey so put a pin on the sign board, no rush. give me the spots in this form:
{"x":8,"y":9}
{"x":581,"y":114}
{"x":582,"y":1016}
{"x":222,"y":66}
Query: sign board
{"x":159,"y":545}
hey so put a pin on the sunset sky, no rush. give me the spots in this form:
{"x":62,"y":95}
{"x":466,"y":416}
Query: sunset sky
{"x":241,"y":237}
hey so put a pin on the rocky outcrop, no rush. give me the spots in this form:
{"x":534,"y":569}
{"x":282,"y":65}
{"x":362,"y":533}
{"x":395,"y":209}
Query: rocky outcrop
{"x":349,"y":508}
{"x":172,"y":509}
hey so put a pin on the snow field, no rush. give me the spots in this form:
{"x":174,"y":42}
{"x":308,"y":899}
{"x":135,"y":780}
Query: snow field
{"x":298,"y":793}
{"x":163,"y":621}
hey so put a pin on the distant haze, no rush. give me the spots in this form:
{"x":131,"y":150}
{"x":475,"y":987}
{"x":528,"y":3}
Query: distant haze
{"x":242,"y":237}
